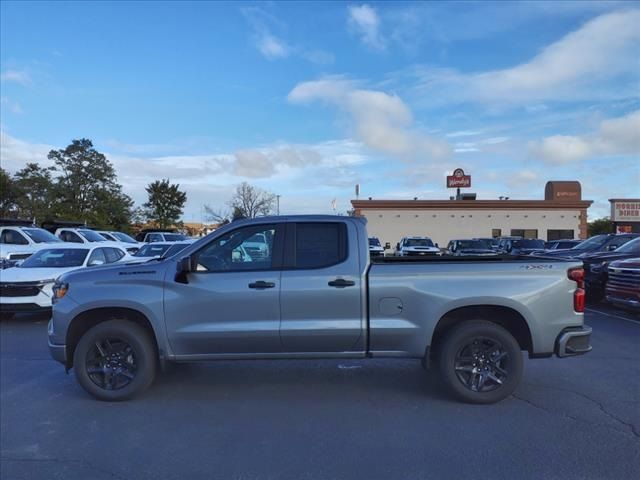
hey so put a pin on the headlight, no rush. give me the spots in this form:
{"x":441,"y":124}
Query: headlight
{"x":60,"y":289}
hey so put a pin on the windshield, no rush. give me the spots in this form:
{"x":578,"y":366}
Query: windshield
{"x":374,"y":242}
{"x":173,"y":249}
{"x":92,"y":236}
{"x":632,"y":246}
{"x":418,"y":242}
{"x":592,"y":243}
{"x":56,"y":258}
{"x":123,"y":237}
{"x":152,"y":250}
{"x":108,"y":236}
{"x":40,"y":235}
{"x":174,"y":237}
{"x":528,"y":243}
{"x":474,"y":245}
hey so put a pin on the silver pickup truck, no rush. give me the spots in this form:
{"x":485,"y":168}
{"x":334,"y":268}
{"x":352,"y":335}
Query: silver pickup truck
{"x":314,"y":292}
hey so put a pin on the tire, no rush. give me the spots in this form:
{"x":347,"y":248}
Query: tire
{"x":480,"y":362}
{"x":115,"y":360}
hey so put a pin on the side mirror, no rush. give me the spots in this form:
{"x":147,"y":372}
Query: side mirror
{"x":397,"y":246}
{"x":387,"y":246}
{"x":183,"y":268}
{"x":437,"y":246}
{"x":612,"y":248}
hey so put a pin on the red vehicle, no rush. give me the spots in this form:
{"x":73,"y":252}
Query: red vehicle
{"x":623,"y":285}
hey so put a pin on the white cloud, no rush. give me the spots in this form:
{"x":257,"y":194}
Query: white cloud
{"x":272,"y":47}
{"x":576,"y":67}
{"x":16,"y":76}
{"x":381,"y":121}
{"x":13,"y":106}
{"x":464,"y":133}
{"x":366,"y":22}
{"x":617,"y":136}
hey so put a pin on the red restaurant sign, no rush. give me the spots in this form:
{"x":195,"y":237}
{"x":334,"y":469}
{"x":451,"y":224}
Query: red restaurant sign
{"x":458,"y":179}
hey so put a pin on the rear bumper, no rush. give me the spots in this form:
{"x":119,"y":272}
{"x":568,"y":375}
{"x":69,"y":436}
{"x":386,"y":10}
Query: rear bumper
{"x":574,"y":341}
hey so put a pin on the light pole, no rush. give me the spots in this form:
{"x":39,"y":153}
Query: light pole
{"x":277,"y":204}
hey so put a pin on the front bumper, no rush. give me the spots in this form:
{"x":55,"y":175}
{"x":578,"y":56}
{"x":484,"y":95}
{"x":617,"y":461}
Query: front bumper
{"x":23,"y":308}
{"x":625,"y":302}
{"x":574,"y":341}
{"x":58,"y":352}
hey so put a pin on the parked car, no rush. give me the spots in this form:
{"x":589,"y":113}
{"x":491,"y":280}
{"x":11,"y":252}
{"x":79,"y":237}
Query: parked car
{"x":596,"y":266}
{"x":88,"y":236}
{"x":520,"y":246}
{"x":318,"y":293}
{"x":469,"y":247}
{"x":154,"y":235}
{"x":598,"y":243}
{"x":561,"y":244}
{"x":623,"y":284}
{"x":375,"y":247}
{"x":130,"y":243}
{"x":492,"y":242}
{"x":416,"y":246}
{"x":18,"y":242}
{"x":28,"y":287}
{"x":159,"y":250}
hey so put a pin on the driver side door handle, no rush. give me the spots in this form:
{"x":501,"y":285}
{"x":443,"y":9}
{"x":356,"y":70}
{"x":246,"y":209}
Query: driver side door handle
{"x":341,"y":283}
{"x":261,"y":285}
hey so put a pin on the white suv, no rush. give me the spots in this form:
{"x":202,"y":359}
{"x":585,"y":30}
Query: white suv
{"x":416,"y":246}
{"x":86,"y":235}
{"x":19,"y":242}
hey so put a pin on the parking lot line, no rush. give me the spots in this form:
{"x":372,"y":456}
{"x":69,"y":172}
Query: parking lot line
{"x":612,"y":315}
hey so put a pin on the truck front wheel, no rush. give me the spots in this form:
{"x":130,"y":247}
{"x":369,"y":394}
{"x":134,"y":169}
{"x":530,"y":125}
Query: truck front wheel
{"x":480,"y":362}
{"x":115,"y":360}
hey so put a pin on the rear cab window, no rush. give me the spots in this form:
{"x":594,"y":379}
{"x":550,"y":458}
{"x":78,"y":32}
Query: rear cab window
{"x":320,"y":244}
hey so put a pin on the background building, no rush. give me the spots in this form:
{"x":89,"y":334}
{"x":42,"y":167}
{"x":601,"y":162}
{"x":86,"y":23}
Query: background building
{"x":562,"y":214}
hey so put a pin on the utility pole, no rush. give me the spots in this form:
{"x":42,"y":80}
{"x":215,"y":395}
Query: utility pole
{"x":278,"y":205}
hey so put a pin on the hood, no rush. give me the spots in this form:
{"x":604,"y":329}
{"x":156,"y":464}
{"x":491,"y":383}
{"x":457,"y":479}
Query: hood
{"x":628,"y":263}
{"x":115,"y":270}
{"x":476,"y":251}
{"x":598,"y":257}
{"x":18,"y":274}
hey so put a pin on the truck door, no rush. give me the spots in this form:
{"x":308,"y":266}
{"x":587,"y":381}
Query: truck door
{"x":231,"y":302}
{"x":321,"y":289}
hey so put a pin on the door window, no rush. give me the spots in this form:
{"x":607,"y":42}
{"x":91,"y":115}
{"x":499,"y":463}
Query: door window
{"x":11,"y":237}
{"x":244,"y":249}
{"x":97,"y":257}
{"x":113,"y":254}
{"x":320,"y":245}
{"x":68,"y":236}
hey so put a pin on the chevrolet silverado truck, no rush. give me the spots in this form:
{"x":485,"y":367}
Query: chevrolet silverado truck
{"x":316,"y":294}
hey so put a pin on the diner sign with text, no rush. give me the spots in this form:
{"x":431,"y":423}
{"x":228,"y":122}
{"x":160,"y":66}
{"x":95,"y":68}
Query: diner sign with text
{"x":458,"y":179}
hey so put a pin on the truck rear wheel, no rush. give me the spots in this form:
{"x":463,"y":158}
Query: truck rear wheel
{"x":480,"y":362}
{"x":115,"y":360}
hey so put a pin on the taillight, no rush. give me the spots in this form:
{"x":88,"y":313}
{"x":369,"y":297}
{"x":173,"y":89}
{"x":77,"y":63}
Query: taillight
{"x":577,"y":275}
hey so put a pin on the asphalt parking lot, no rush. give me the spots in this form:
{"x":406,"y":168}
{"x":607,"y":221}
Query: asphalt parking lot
{"x":572,"y":418}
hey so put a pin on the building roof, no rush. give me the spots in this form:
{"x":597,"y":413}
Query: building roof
{"x":470,"y":204}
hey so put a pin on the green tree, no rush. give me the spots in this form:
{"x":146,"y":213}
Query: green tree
{"x":165,"y":204}
{"x":87,"y":188}
{"x":8,"y":195}
{"x":600,"y":225}
{"x":35,"y":191}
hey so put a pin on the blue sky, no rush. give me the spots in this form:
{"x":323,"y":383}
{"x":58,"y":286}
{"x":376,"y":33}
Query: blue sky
{"x":308,"y":99}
